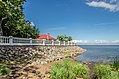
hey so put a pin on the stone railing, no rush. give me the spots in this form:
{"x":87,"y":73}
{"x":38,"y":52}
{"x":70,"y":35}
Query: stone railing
{"x":29,"y":41}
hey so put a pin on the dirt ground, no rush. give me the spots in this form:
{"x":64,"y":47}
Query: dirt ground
{"x":36,"y":71}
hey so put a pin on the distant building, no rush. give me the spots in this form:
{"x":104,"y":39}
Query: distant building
{"x":46,"y":37}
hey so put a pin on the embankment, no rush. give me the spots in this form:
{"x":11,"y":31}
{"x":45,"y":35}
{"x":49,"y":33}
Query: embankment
{"x":38,"y":54}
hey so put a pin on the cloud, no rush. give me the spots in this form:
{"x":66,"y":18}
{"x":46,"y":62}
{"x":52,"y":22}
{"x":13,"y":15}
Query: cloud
{"x":109,"y":6}
{"x":96,"y":42}
{"x":56,"y":28}
{"x":109,"y":23}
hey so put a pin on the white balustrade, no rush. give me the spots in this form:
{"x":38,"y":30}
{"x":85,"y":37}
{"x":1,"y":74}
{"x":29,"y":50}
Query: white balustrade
{"x":4,"y":40}
{"x":37,"y":42}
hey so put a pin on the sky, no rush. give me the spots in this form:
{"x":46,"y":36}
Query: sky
{"x":81,"y":19}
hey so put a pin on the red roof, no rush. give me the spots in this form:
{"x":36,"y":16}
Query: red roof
{"x":46,"y":36}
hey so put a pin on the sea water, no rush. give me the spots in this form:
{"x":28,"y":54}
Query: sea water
{"x":99,"y":53}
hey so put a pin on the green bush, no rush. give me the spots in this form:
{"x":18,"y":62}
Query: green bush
{"x":68,"y":70}
{"x":102,"y":71}
{"x":114,"y":75}
{"x":115,"y":64}
{"x":4,"y":70}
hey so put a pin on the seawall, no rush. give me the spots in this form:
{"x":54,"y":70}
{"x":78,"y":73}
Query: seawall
{"x":38,"y":54}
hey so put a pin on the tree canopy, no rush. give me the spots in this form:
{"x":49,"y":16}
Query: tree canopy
{"x":64,"y":38}
{"x":12,"y":21}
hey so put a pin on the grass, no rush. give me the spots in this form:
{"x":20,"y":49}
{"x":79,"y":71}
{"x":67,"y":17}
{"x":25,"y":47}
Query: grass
{"x":69,"y":69}
{"x":66,"y":52}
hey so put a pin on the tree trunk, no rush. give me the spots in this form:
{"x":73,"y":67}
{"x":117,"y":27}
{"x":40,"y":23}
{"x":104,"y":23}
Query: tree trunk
{"x":1,"y":31}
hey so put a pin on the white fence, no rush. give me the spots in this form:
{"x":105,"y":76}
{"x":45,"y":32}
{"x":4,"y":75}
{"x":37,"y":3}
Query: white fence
{"x":29,"y":41}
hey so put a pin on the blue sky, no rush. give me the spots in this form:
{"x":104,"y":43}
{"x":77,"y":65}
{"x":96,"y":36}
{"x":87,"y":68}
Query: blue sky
{"x":81,"y":19}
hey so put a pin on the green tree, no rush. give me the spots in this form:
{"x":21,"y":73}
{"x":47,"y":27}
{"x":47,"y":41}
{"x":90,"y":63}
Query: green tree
{"x":60,"y":38}
{"x":64,"y":38}
{"x":12,"y":22}
{"x":10,"y":10}
{"x":28,"y":31}
{"x":69,"y":38}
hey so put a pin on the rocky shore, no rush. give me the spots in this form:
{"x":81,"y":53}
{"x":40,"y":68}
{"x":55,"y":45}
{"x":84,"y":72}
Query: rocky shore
{"x":36,"y":60}
{"x":37,"y":54}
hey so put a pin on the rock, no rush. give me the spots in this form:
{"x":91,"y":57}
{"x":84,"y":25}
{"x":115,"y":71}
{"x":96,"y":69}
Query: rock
{"x":33,"y":71}
{"x":47,"y":72}
{"x":42,"y":76}
{"x":37,"y":54}
{"x":27,"y":69}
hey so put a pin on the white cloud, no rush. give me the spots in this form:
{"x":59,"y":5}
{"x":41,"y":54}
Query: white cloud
{"x":108,"y":23}
{"x":109,"y":6}
{"x":91,"y":42}
{"x":76,"y":41}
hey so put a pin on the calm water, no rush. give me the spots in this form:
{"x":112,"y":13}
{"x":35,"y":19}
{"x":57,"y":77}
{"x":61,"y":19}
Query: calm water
{"x":99,"y":53}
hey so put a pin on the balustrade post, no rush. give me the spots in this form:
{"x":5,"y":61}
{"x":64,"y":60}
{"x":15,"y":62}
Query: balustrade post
{"x":30,"y":41}
{"x":59,"y":43}
{"x":71,"y":43}
{"x":52,"y":42}
{"x":68,"y":43}
{"x":64,"y":43}
{"x":75,"y":44}
{"x":10,"y":40}
{"x":43,"y":41}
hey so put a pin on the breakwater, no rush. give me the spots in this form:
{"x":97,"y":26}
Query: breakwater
{"x":38,"y":54}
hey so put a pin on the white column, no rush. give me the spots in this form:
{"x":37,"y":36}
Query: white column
{"x":30,"y":41}
{"x":71,"y":43}
{"x":43,"y":41}
{"x":59,"y":42}
{"x":52,"y":42}
{"x":64,"y":43}
{"x":10,"y":40}
{"x":74,"y":44}
{"x":68,"y":43}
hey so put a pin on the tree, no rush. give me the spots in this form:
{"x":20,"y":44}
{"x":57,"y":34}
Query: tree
{"x":60,"y":38}
{"x":10,"y":10}
{"x":69,"y":38}
{"x":64,"y":38}
{"x":28,"y":31}
{"x":12,"y":22}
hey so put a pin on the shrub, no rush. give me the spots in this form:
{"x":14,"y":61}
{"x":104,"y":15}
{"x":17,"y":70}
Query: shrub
{"x":4,"y":70}
{"x":114,"y":75}
{"x":115,"y":64}
{"x":102,"y":71}
{"x":68,"y":70}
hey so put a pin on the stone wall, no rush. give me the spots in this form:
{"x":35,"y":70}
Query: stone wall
{"x":37,"y":54}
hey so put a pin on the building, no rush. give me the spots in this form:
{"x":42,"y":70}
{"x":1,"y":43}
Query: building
{"x":46,"y":36}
